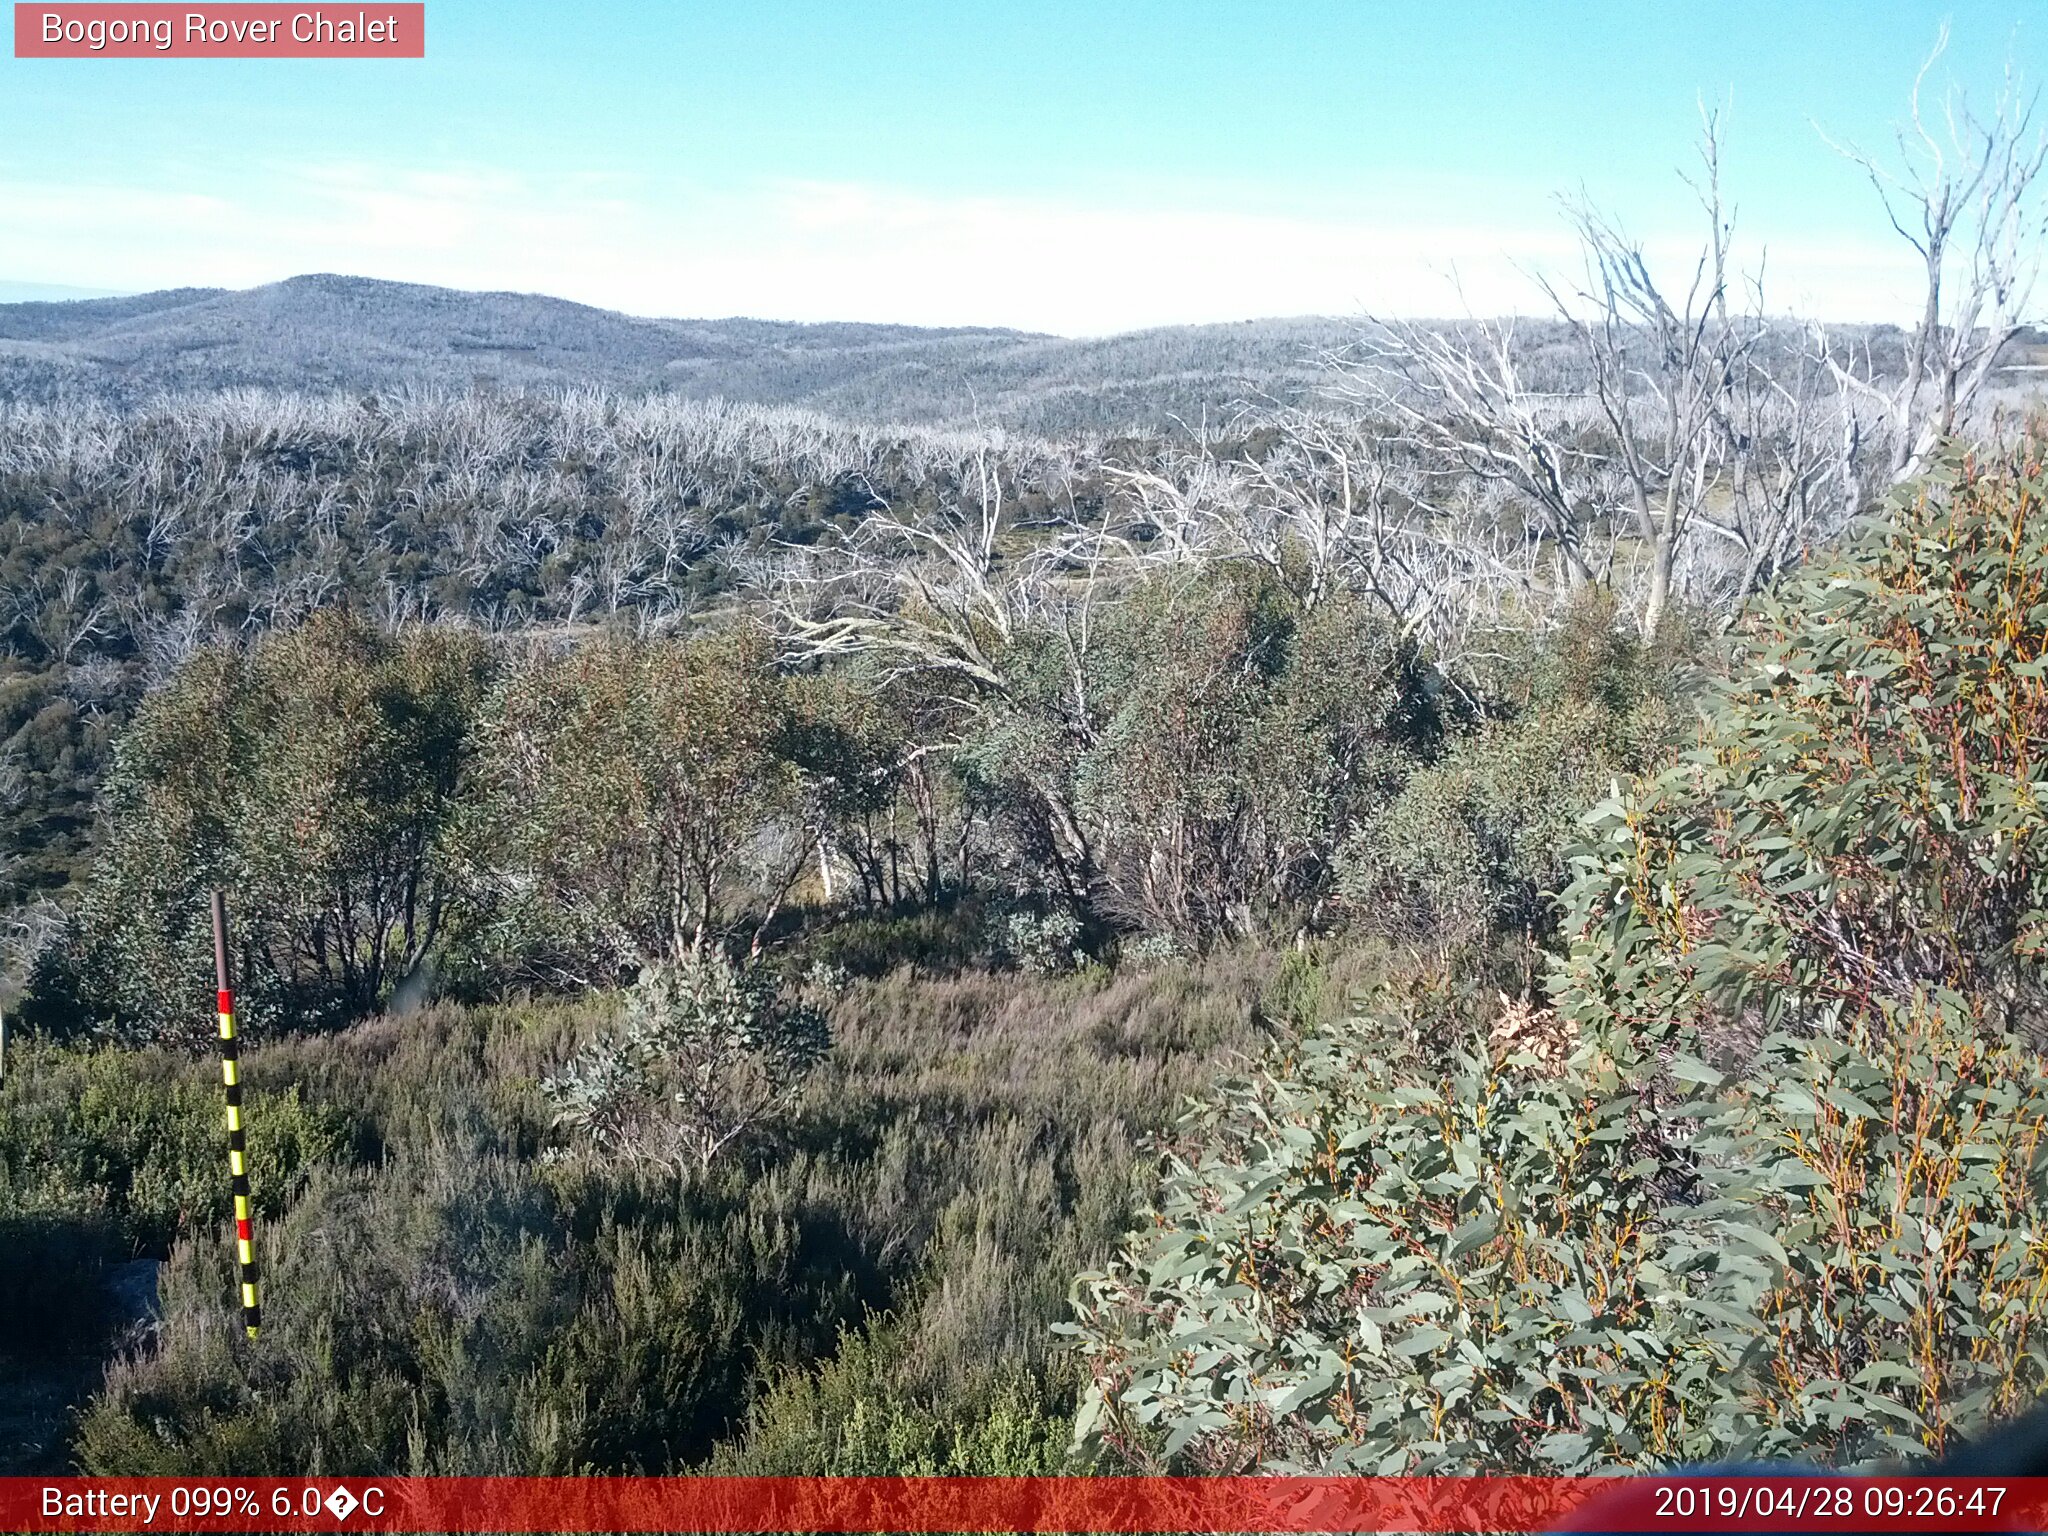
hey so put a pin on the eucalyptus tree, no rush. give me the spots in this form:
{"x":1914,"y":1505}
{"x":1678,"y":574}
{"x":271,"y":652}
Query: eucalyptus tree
{"x":316,"y":777}
{"x":636,"y":802}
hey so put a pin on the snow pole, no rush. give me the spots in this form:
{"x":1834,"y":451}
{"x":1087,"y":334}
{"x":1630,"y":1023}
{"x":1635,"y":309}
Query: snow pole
{"x":238,"y":1152}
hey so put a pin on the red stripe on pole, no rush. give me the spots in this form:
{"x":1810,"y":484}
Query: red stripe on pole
{"x":242,"y":1228}
{"x":1492,"y":1505}
{"x":224,"y":1000}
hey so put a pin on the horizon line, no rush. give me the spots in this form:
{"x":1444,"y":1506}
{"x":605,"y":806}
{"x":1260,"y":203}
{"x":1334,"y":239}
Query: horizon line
{"x":38,"y":293}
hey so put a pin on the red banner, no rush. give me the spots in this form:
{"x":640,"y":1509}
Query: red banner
{"x":371,"y":30}
{"x":1066,"y":1504}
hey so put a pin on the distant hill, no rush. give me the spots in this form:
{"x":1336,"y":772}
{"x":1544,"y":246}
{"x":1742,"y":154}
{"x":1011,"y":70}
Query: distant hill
{"x":327,"y":332}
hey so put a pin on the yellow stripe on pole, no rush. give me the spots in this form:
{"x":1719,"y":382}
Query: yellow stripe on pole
{"x":227,"y":1073}
{"x":235,"y":1164}
{"x":248,"y":1296}
{"x":243,"y":1254}
{"x":234,"y":1118}
{"x":227,"y":1026}
{"x":241,"y":1207}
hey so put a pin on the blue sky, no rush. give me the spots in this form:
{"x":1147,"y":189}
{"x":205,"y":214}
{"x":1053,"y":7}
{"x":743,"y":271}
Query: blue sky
{"x":1080,"y":167}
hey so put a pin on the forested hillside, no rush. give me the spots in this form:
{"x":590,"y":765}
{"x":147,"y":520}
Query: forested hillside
{"x":354,"y":334}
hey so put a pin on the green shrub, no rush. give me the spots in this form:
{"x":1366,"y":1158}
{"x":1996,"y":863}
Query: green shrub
{"x":1297,"y":993}
{"x":1860,"y":820}
{"x":944,"y":939}
{"x":109,"y":1154}
{"x":853,"y":1416}
{"x":1375,"y":1264}
{"x":439,"y":1298}
{"x":1362,"y":1262}
{"x":1890,"y":1187}
{"x":448,"y":1315}
{"x":1477,"y":844}
{"x":137,"y":1140}
{"x":1191,"y":769}
{"x":1040,"y":943}
{"x":1785,"y":1196}
{"x":709,"y":1052}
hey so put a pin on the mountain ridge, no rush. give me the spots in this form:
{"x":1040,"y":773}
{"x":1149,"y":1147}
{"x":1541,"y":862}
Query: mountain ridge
{"x":326,"y":331}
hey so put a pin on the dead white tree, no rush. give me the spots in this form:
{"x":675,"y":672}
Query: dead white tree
{"x":64,"y":616}
{"x":1662,"y":360}
{"x":1779,"y":421}
{"x":1457,"y":398}
{"x":935,"y":595}
{"x":1963,"y":194}
{"x":1670,"y":417}
{"x":942,"y":600}
{"x":1328,"y":503}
